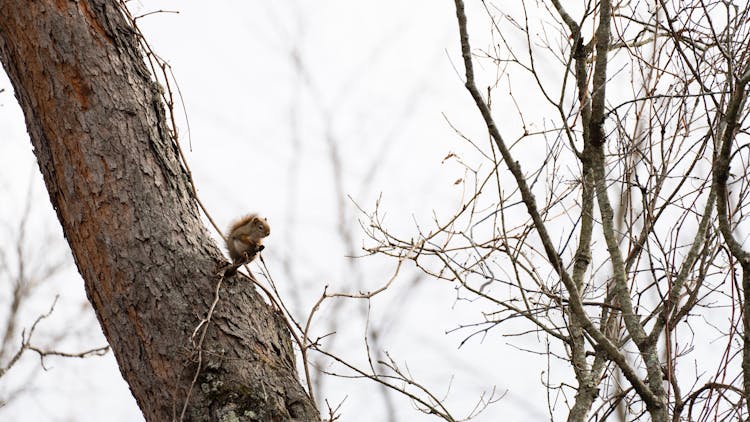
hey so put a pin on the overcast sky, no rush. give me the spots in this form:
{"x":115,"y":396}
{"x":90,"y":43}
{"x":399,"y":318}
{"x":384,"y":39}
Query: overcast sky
{"x":268,"y":87}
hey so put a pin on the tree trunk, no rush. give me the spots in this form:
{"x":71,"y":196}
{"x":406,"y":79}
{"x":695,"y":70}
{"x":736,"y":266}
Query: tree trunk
{"x":129,"y":214}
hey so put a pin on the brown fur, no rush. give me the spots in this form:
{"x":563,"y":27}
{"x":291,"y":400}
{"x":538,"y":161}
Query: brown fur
{"x":245,"y":237}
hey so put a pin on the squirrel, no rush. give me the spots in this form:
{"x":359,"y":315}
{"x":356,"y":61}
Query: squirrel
{"x":245,"y":239}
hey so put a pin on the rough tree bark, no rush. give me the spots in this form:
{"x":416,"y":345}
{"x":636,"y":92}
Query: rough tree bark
{"x":114,"y":177}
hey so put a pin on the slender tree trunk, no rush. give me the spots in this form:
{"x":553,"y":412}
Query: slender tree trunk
{"x":128,"y":212}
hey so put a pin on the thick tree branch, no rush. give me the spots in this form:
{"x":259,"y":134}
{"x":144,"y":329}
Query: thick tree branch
{"x":726,"y":134}
{"x":129,"y":212}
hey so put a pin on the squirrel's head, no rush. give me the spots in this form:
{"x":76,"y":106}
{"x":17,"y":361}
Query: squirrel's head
{"x":260,"y":225}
